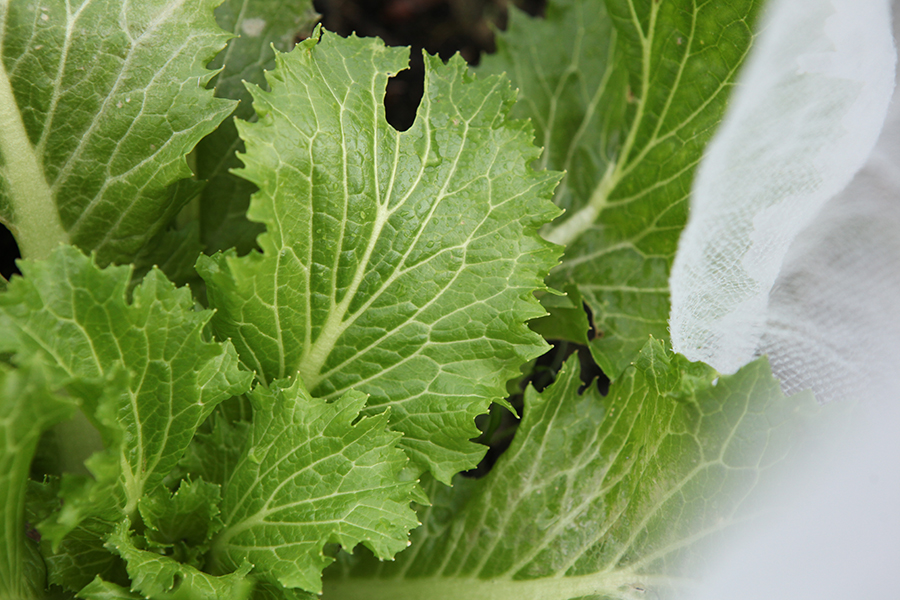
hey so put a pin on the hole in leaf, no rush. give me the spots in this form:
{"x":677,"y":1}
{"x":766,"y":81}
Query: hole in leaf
{"x":591,"y":372}
{"x":9,"y":252}
{"x":442,"y":27}
{"x":404,"y":94}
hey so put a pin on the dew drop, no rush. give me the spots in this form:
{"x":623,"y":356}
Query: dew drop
{"x":434,"y":160}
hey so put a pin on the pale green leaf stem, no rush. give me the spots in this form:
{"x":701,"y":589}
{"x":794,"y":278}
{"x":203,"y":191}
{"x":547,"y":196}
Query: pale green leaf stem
{"x":601,"y":497}
{"x":36,"y":227}
{"x":399,"y":264}
{"x":100,"y":102}
{"x":625,"y":96}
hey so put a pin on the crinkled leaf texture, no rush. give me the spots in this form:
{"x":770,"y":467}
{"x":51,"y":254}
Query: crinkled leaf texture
{"x":152,"y":378}
{"x":311,"y":473}
{"x":156,"y":576}
{"x":213,"y":454}
{"x":182,"y":523}
{"x":625,"y":96}
{"x":100,"y":102}
{"x":599,"y":497}
{"x":398,"y":264}
{"x":80,"y":557}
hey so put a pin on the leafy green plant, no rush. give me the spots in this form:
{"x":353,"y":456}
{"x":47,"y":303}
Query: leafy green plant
{"x":360,"y":296}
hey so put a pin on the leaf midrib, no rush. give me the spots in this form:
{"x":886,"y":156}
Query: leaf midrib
{"x":620,"y":584}
{"x":572,"y":228}
{"x":35,"y":221}
{"x":339,"y":320}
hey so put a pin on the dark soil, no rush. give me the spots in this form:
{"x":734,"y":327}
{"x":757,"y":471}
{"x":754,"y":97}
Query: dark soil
{"x":442,"y":27}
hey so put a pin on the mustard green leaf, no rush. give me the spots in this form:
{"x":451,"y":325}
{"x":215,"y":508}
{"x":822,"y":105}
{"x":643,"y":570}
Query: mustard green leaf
{"x":398,"y":264}
{"x":100,"y":102}
{"x":182,"y":523}
{"x":173,"y":251}
{"x":601,"y":497}
{"x":625,"y":96}
{"x":81,"y":556}
{"x":159,"y":577}
{"x":71,"y":517}
{"x":98,"y":589}
{"x":75,"y":318}
{"x":311,"y":473}
{"x":212,"y":455}
{"x":566,"y":318}
{"x":267,"y":591}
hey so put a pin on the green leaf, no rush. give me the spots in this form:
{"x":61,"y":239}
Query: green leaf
{"x":402,"y":265}
{"x":311,"y":474}
{"x":98,"y":589}
{"x":28,"y":408}
{"x":214,"y":455}
{"x":81,"y":556}
{"x":101,"y":101}
{"x":74,"y":561}
{"x":566,"y":318}
{"x":159,"y":577}
{"x":625,"y":96}
{"x":258,"y":26}
{"x":267,"y":591}
{"x":75,"y":318}
{"x":89,"y":506}
{"x":173,"y":251}
{"x":182,"y":523}
{"x":601,"y":497}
